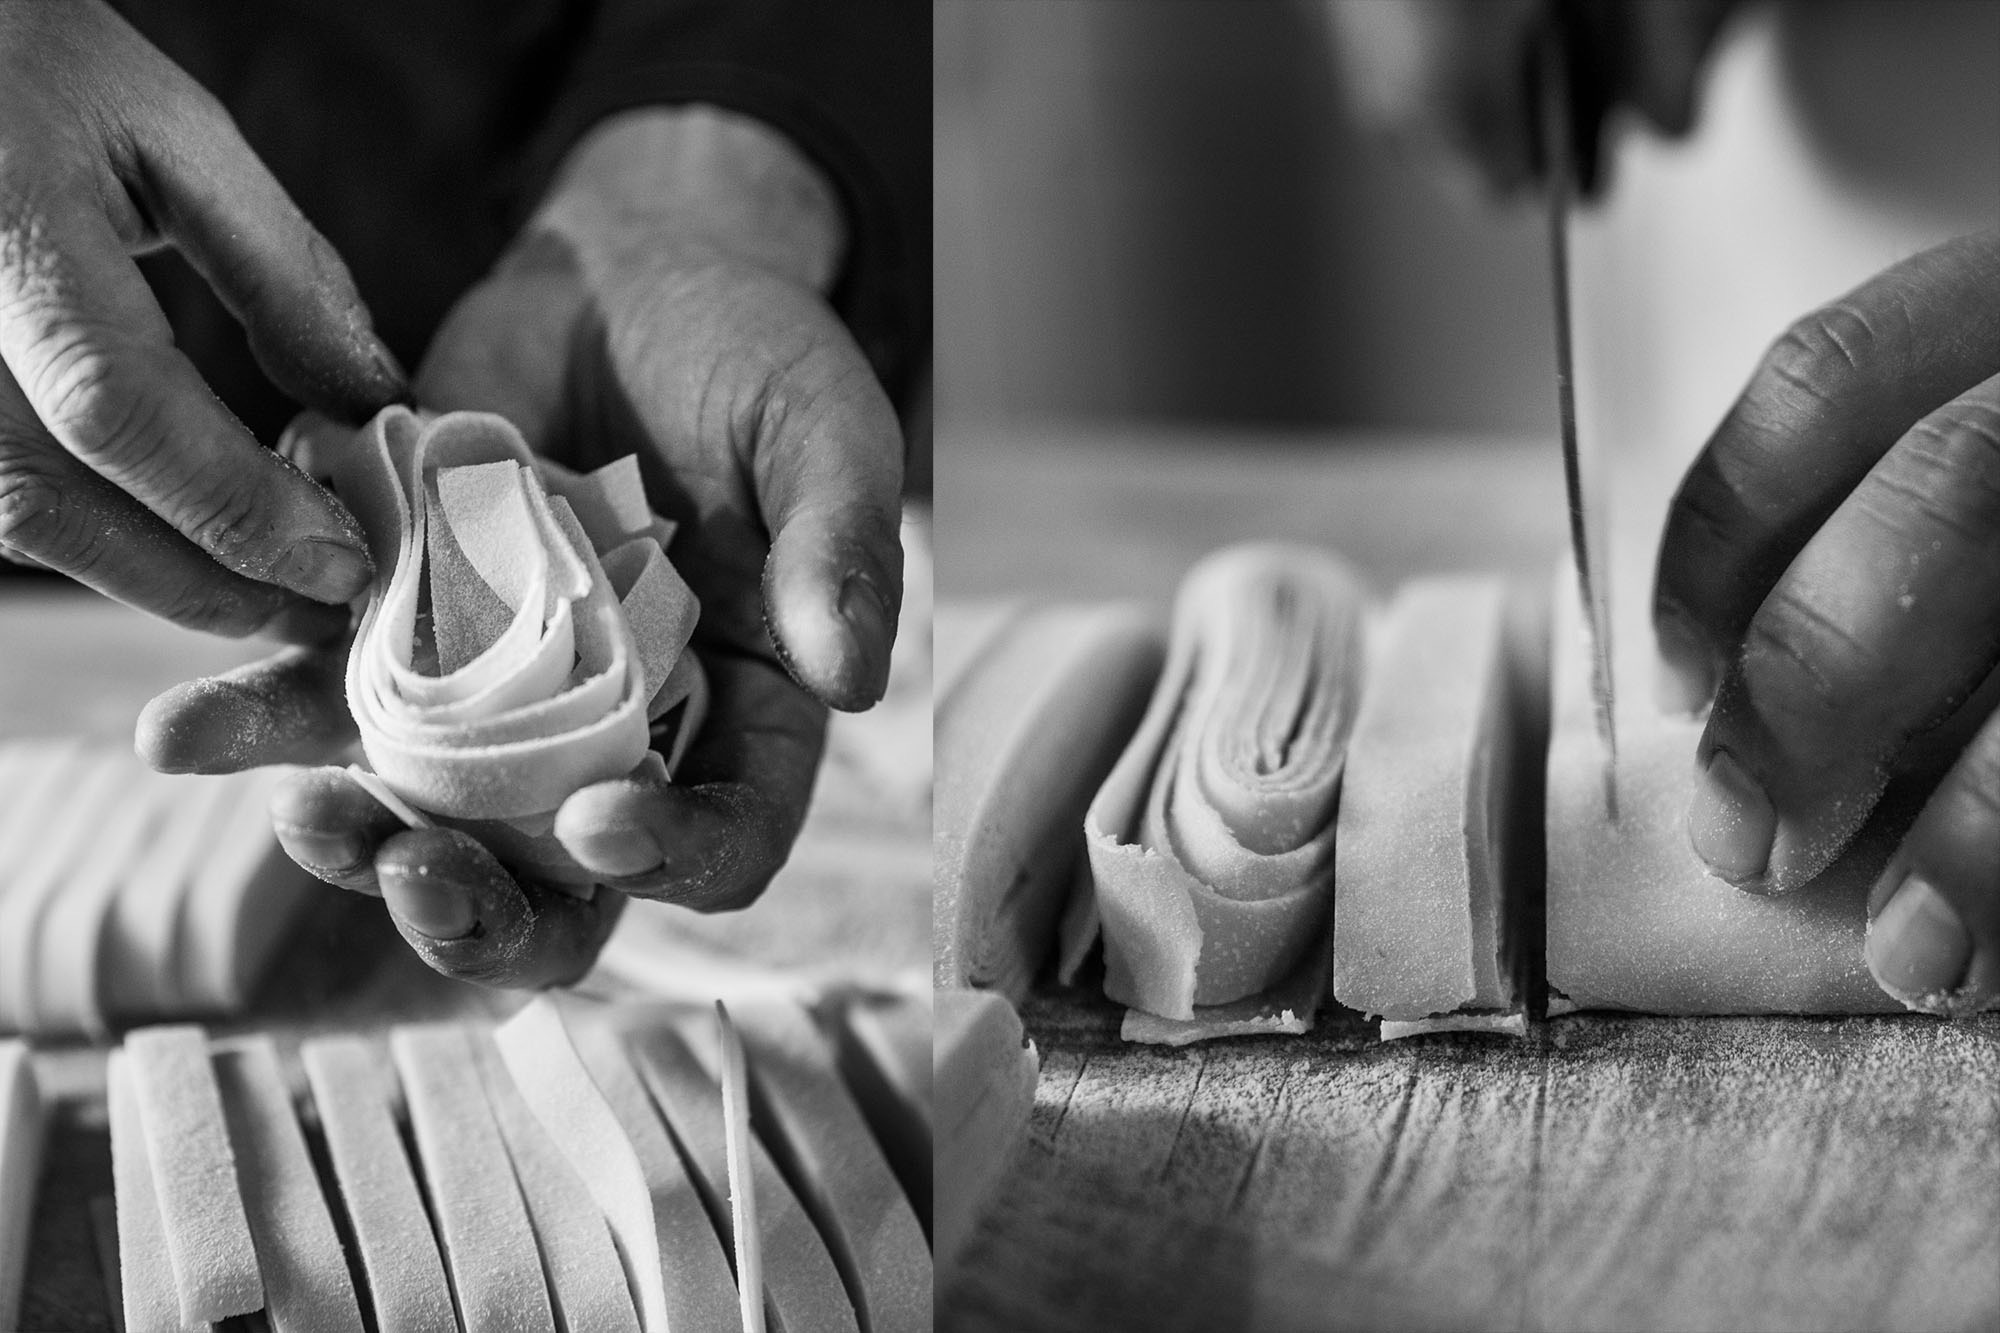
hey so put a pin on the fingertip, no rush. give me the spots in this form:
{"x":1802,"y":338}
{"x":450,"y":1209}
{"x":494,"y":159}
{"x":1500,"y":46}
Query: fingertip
{"x":607,"y":828}
{"x":440,"y":884}
{"x":331,"y":826}
{"x":833,"y":616}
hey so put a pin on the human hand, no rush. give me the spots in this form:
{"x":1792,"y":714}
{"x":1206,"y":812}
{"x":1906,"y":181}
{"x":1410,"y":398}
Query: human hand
{"x":1830,"y":572}
{"x":1456,"y":79}
{"x":118,"y":466}
{"x":666,"y":301}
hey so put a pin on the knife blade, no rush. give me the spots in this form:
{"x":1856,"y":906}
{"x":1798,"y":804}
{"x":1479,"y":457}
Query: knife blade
{"x":1558,"y":145}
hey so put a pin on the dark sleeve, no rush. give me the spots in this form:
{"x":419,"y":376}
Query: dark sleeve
{"x":848,"y":81}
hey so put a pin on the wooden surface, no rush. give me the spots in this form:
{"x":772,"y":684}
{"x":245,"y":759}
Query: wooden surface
{"x":1609,"y":1173}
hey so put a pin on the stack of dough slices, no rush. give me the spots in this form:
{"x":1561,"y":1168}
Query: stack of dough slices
{"x":574,"y":1168}
{"x":525,"y":634}
{"x":128,"y":895}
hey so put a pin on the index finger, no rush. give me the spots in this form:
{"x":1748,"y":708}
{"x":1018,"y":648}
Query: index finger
{"x":96,"y":359}
{"x":1830,"y":398}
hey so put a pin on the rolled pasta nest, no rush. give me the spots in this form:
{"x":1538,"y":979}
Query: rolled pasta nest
{"x":1211,"y":843}
{"x":525,"y":635}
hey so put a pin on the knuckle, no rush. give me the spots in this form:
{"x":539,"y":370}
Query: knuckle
{"x":85,"y":400}
{"x":230,"y":525}
{"x":37,"y":518}
{"x":1825,"y":351}
{"x":1961,"y":443}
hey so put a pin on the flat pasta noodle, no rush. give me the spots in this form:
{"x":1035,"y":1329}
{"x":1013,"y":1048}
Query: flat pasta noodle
{"x":209,"y":1246}
{"x":147,"y":1295}
{"x":1211,"y":842}
{"x":307,"y":1288}
{"x":985,"y":1074}
{"x":556,"y":622}
{"x":354,"y":1091}
{"x":23,"y":1129}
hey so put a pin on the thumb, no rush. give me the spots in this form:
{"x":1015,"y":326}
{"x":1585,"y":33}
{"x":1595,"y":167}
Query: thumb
{"x":829,"y":482}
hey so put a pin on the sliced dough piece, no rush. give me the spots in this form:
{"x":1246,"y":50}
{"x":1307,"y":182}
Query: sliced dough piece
{"x":354,"y":1089}
{"x":1421,"y":922}
{"x":68,"y":989}
{"x":808,"y":1120}
{"x":489,"y":1247}
{"x":145,"y":920}
{"x":23,"y":1128}
{"x":986,"y":1072}
{"x":1635,"y":921}
{"x":39,"y":863}
{"x":883,"y":1046}
{"x":587,"y":1283}
{"x":214,"y":1259}
{"x":146,"y":1285}
{"x":802,"y":1288}
{"x":1211,"y":843}
{"x":1023,"y":740}
{"x":242,"y":901}
{"x":307,"y":1288}
{"x":600,"y":1119}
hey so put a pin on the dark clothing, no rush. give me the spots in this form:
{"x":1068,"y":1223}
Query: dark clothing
{"x":418,"y":135}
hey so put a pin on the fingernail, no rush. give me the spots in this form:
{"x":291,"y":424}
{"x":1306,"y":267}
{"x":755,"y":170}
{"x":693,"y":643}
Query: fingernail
{"x":332,"y":853}
{"x":307,"y":623}
{"x":870,"y":630}
{"x":1918,"y":949}
{"x":323,"y":570}
{"x":1731,"y":821}
{"x":428,"y":906}
{"x":1685,"y":677}
{"x":616,"y":850}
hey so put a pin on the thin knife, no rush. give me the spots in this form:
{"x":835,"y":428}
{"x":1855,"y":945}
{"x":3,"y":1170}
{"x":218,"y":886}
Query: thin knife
{"x":1558,"y":147}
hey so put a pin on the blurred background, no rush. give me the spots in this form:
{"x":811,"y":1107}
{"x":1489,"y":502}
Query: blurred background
{"x":1166,"y":210}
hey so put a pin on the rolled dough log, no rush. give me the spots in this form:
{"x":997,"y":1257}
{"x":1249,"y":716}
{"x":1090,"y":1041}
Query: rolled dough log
{"x":354,"y":1089}
{"x":306,"y":1284}
{"x":1211,"y":843}
{"x":808,"y":1120}
{"x":209,"y":1247}
{"x":985,"y":1078}
{"x":22,"y":1130}
{"x":1023,"y":739}
{"x":489,"y":1247}
{"x":145,"y":920}
{"x":1421,"y":920}
{"x":1635,"y":921}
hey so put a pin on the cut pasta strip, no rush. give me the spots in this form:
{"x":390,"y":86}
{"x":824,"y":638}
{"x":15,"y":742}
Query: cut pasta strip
{"x":1023,"y":739}
{"x":354,"y":1089}
{"x":146,"y":1285}
{"x":802,"y":1288}
{"x":241,"y":899}
{"x":145,"y":920}
{"x":40,"y":861}
{"x":489,"y":1247}
{"x":23,"y":1129}
{"x":1421,"y":920}
{"x":207,"y":1229}
{"x":883,"y":1046}
{"x":599,"y":1118}
{"x":68,"y":993}
{"x":737,"y":1143}
{"x":587,"y":1283}
{"x":1211,"y":843}
{"x":808,"y":1120}
{"x":985,"y":1071}
{"x":307,"y":1288}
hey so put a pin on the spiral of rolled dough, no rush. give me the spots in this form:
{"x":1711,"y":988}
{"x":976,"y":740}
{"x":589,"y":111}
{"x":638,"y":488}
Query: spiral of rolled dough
{"x":1211,"y":843}
{"x":524,"y":627}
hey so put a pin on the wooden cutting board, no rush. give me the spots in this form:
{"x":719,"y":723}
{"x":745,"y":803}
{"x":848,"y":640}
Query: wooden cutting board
{"x":1610,"y":1172}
